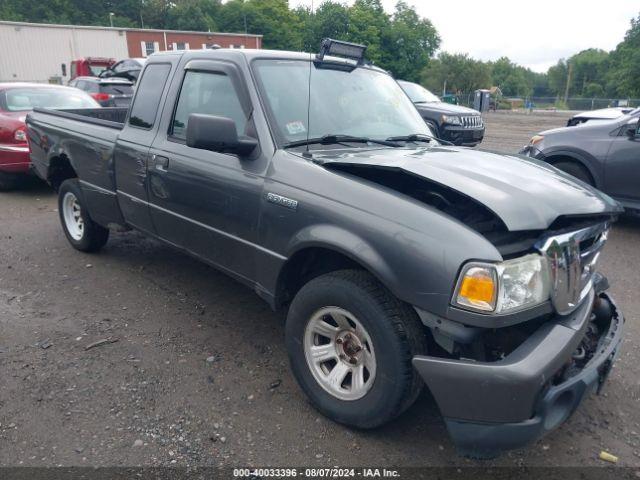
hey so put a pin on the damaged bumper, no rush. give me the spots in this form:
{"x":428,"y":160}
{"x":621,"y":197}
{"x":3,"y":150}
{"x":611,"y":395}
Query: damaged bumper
{"x":490,"y":407}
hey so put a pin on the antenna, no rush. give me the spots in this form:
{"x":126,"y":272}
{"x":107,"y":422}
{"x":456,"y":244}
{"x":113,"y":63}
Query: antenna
{"x":309,"y":89}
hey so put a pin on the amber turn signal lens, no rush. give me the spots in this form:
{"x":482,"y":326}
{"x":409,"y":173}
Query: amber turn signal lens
{"x":536,"y":139}
{"x":478,"y":289}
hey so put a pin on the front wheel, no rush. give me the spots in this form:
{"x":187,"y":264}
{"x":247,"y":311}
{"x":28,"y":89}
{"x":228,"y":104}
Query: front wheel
{"x":350,"y":344}
{"x":81,"y":231}
{"x":576,"y":170}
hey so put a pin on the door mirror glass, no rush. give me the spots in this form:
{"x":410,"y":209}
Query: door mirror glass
{"x":633,"y":128}
{"x":217,"y":134}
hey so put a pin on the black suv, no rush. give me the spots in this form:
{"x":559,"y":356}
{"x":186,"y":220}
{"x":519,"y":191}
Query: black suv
{"x":453,"y":123}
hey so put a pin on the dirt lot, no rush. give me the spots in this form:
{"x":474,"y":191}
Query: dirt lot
{"x":198,"y":374}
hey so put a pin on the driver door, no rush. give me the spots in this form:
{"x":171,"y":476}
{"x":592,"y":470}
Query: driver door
{"x":204,"y":201}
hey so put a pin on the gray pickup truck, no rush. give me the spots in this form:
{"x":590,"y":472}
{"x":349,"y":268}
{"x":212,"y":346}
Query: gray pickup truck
{"x":400,"y":262}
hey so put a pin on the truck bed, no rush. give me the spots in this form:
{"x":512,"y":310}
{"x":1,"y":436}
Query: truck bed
{"x":86,"y":139}
{"x":111,"y":117}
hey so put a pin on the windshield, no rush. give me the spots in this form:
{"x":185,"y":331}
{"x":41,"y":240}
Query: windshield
{"x":417,"y":93}
{"x":360,"y":103}
{"x":23,"y":99}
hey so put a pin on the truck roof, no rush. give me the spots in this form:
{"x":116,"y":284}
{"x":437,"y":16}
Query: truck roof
{"x":251,"y":54}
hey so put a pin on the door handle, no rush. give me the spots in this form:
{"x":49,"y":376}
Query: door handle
{"x":161,"y":163}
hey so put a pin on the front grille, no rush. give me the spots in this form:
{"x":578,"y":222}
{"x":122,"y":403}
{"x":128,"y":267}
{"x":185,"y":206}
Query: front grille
{"x":572,"y":259}
{"x":471,"y":121}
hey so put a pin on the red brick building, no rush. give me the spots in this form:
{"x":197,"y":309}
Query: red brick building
{"x":142,"y":43}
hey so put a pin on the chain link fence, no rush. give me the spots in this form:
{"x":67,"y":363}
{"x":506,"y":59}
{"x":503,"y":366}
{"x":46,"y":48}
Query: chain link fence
{"x":549,"y":103}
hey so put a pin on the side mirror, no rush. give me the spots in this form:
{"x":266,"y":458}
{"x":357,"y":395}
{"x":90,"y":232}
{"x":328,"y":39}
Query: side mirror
{"x":633,"y":128}
{"x":217,"y":134}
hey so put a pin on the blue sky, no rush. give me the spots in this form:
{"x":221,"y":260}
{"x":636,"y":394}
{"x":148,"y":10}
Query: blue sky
{"x":533,"y":33}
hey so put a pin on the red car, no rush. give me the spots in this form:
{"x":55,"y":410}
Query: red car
{"x":16,"y":100}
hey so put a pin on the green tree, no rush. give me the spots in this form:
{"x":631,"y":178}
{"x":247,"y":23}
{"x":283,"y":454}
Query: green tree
{"x":557,"y":77}
{"x":409,"y":43}
{"x":460,"y":72}
{"x":198,"y":15}
{"x":330,"y":20}
{"x":623,"y":78}
{"x":279,"y":25}
{"x":367,"y":24}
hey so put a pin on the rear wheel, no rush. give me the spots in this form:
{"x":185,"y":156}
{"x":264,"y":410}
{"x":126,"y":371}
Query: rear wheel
{"x":81,"y":231}
{"x":576,"y":170}
{"x":350,"y":344}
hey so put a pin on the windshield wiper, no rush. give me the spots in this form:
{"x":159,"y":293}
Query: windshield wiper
{"x":331,"y":139}
{"x":417,"y":137}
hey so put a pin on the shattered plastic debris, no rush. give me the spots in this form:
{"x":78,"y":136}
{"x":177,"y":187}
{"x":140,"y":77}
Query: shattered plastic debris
{"x":607,"y":457}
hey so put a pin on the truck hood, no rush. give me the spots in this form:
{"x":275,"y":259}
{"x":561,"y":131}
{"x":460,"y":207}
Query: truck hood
{"x":526,"y":194}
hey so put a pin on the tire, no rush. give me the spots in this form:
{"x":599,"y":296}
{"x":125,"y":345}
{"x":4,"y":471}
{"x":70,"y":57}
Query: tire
{"x":9,"y":181}
{"x":388,"y":332}
{"x":576,"y":170}
{"x":81,"y":231}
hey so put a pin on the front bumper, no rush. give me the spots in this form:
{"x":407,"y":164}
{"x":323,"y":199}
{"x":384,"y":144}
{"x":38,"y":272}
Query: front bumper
{"x":531,"y":151}
{"x":462,"y":135}
{"x":490,"y":407}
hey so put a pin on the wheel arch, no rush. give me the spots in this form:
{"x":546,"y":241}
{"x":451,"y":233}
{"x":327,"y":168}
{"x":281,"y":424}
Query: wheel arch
{"x":59,"y":170}
{"x":580,"y":158}
{"x":324,"y":250}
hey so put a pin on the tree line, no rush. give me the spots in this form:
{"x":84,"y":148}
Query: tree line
{"x":400,"y":41}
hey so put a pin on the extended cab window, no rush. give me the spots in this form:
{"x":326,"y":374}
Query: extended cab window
{"x":145,"y":105}
{"x":208,"y":93}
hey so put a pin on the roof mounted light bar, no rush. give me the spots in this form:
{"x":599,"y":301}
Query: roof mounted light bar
{"x":339,"y":48}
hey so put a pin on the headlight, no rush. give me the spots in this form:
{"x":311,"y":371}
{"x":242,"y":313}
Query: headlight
{"x":503,"y":287}
{"x":536,"y":139}
{"x":451,"y":119}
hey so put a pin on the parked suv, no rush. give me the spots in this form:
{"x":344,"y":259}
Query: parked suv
{"x":453,"y":123}
{"x":604,"y":154}
{"x":108,"y":92}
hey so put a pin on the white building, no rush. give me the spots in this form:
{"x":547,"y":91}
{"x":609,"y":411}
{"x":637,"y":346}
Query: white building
{"x":33,"y":52}
{"x":36,"y":52}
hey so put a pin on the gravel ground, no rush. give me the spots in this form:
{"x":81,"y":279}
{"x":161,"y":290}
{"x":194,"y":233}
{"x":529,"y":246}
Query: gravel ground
{"x":508,"y":132}
{"x":196,"y":372}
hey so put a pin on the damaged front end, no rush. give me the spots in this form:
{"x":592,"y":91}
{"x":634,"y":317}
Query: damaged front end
{"x":523,"y":339}
{"x":515,"y":397}
{"x":502,"y":384}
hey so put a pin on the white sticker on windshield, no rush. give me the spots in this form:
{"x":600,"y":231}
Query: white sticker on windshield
{"x":293,"y":128}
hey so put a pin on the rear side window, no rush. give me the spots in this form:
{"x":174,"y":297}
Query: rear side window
{"x":145,"y":105}
{"x":208,"y":93}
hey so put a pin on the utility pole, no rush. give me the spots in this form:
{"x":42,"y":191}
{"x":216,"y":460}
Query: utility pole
{"x":566,"y":90}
